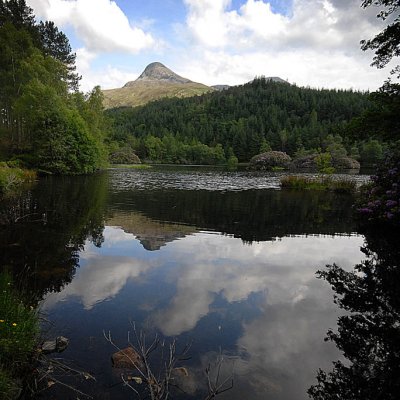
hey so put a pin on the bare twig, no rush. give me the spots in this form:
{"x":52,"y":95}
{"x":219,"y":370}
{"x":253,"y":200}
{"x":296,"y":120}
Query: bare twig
{"x":160,"y":383}
{"x":217,"y":387}
{"x":52,"y":366}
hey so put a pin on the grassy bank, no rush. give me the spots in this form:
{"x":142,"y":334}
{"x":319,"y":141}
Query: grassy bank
{"x":319,"y":183}
{"x":19,"y":332}
{"x":131,"y":166}
{"x":13,"y":177}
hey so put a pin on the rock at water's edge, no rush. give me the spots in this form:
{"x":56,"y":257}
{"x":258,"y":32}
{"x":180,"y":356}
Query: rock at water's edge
{"x":55,"y":346}
{"x":269,"y":160}
{"x":309,"y":163}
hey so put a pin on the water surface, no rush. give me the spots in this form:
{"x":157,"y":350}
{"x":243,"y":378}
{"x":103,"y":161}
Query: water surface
{"x":225,"y":260}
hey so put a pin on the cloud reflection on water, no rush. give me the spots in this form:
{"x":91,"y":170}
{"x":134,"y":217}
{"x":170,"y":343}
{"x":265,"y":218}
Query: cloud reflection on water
{"x":103,"y":272}
{"x":207,"y":265}
{"x":279,"y":346}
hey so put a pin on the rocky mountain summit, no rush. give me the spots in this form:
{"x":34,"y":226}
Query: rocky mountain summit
{"x":159,"y":72}
{"x":155,"y":82}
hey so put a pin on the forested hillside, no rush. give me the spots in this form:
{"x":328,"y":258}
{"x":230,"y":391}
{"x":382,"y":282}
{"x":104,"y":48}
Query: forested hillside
{"x":45,"y":122}
{"x":244,"y":121}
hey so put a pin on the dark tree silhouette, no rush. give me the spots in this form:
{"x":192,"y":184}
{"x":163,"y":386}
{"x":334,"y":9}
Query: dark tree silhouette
{"x":386,"y":43}
{"x":368,"y":333}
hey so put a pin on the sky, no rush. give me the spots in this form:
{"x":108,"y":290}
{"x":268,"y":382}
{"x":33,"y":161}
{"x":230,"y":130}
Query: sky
{"x":312,"y":43}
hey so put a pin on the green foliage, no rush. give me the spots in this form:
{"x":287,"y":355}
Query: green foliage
{"x":232,"y":162}
{"x":19,"y":330}
{"x":334,"y":146}
{"x":12,"y":177}
{"x":354,"y":152}
{"x":172,"y":150}
{"x":260,"y":115}
{"x":381,"y":120}
{"x":324,"y":163}
{"x":264,"y":146}
{"x":371,"y":152}
{"x":42,"y":120}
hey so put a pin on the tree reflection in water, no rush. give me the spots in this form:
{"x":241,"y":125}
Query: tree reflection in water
{"x":369,"y":332}
{"x":43,"y":231}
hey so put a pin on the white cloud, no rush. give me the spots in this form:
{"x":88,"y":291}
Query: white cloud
{"x":103,"y":28}
{"x":325,"y":69}
{"x":318,"y":23}
{"x":316,"y":45}
{"x":107,"y":77}
{"x":84,"y":59}
{"x":100,"y":24}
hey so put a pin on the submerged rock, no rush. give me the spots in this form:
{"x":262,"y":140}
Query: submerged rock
{"x":57,"y":345}
{"x":127,"y":358}
{"x":270,"y":160}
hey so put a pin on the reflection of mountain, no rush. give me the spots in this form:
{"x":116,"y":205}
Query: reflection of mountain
{"x":151,"y":234}
{"x":253,"y":215}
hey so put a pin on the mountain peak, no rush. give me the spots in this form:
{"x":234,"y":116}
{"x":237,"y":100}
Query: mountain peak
{"x":159,"y":72}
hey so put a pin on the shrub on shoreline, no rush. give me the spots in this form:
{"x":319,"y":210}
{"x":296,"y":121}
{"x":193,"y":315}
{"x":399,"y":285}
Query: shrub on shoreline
{"x":12,"y":177}
{"x":380,"y":200}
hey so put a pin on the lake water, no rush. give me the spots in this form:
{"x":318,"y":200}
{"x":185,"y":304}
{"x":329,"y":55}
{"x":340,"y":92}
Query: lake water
{"x":225,"y":261}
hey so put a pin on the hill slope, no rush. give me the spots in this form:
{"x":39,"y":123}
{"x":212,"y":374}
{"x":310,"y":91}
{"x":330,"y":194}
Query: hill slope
{"x":156,"y":82}
{"x":243,"y":119}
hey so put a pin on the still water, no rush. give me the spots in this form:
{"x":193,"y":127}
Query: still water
{"x":223,"y":260}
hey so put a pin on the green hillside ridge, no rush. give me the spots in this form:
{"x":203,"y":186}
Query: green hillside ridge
{"x":243,"y":121}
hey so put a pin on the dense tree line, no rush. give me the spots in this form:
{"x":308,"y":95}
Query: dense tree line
{"x":44,"y":121}
{"x":244,"y":121}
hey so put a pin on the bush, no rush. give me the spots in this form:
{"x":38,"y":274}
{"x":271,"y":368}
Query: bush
{"x":232,"y":162}
{"x":324,"y":163}
{"x":12,"y":178}
{"x":380,"y":200}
